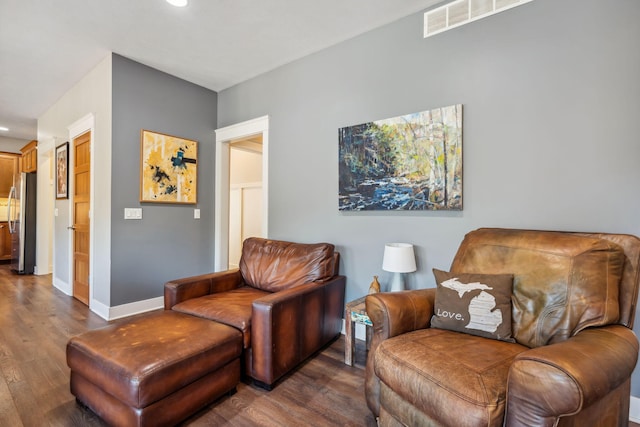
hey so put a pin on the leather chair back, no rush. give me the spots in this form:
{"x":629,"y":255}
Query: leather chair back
{"x":630,"y":282}
{"x":274,"y":265}
{"x":563,"y":282}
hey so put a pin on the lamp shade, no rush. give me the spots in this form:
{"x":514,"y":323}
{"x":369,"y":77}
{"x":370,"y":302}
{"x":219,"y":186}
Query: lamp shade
{"x":399,"y":258}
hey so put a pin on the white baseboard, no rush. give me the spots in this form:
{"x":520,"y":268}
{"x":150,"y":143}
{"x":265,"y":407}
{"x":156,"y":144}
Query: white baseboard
{"x":41,"y":271}
{"x":634,"y":410}
{"x":117,"y":312}
{"x":63,"y":286}
{"x":99,"y":308}
{"x":125,"y":310}
{"x":132,"y":308}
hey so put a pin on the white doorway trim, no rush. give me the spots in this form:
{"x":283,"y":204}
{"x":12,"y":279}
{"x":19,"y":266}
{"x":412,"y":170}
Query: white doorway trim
{"x":224,"y":136}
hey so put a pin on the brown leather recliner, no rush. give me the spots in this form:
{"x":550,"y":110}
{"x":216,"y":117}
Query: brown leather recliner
{"x":286,"y":298}
{"x":573,"y":305}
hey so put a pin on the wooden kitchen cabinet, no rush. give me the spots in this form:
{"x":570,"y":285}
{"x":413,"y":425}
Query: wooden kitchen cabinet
{"x":8,"y":167}
{"x":30,"y":157}
{"x":5,"y":242}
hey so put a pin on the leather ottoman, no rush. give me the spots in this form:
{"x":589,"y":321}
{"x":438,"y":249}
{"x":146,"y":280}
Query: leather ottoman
{"x":156,"y":369}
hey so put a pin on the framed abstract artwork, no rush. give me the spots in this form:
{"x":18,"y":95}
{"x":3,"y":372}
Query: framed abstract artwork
{"x":411,"y":162}
{"x":62,"y":171}
{"x":168,"y":169}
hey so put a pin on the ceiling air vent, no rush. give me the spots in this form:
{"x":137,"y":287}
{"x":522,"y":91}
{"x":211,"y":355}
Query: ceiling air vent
{"x":461,"y":12}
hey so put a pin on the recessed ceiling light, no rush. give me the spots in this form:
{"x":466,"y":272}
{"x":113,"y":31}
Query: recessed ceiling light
{"x":178,"y":3}
{"x":4,"y":129}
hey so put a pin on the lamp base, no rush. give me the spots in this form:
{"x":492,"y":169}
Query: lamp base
{"x":397,"y":283}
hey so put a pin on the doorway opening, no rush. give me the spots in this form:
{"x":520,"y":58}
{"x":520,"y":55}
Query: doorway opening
{"x":245,"y":194}
{"x":249,"y":142}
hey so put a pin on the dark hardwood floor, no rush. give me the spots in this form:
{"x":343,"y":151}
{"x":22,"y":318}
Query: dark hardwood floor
{"x":36,"y":321}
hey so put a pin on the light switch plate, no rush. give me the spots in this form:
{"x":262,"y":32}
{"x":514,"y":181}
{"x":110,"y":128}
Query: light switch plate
{"x":132,"y":213}
{"x":196,"y":213}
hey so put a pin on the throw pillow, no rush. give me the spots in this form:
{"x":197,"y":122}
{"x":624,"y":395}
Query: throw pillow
{"x":476,"y":304}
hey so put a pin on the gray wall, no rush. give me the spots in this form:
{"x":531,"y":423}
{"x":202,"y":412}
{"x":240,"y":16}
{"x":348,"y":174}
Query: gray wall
{"x":168,"y":242}
{"x":551,"y":95}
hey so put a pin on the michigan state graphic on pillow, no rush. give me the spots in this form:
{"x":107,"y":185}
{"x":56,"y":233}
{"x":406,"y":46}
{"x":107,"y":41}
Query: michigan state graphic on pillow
{"x":477,"y":304}
{"x":482,"y":314}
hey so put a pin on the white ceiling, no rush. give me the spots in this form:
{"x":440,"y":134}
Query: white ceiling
{"x":47,"y":46}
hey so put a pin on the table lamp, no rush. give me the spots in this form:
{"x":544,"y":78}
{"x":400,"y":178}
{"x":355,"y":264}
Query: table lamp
{"x":398,"y":259}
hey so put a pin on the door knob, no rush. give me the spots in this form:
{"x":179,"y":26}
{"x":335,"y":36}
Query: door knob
{"x":71,"y":227}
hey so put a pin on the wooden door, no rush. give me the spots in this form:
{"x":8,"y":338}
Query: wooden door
{"x":81,"y":216}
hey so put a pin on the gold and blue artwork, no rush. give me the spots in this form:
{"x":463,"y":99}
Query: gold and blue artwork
{"x":169,"y":169}
{"x":411,"y":162}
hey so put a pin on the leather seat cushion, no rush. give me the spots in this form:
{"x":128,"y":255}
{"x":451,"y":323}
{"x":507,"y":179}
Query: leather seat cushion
{"x":444,"y":374}
{"x":142,"y":360}
{"x":232,"y":308}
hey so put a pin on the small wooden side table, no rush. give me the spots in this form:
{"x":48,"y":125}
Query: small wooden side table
{"x":355,"y":312}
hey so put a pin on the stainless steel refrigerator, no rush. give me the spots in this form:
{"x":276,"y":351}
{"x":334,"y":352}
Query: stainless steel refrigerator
{"x":22,"y":223}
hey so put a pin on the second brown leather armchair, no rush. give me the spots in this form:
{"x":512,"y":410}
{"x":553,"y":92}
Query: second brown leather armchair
{"x":573,"y":306}
{"x":286,"y":298}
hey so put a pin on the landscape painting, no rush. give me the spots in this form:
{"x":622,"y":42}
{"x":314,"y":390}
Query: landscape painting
{"x":411,"y":162}
{"x":169,"y":169}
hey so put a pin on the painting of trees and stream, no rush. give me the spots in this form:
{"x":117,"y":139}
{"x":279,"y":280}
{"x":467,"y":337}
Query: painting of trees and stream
{"x":411,"y":162}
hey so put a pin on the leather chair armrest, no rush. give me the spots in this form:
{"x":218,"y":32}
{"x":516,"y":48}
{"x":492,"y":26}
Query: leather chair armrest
{"x":186,"y":288}
{"x":289,"y":325}
{"x":393,"y":313}
{"x":560,"y":379}
{"x":285,"y":296}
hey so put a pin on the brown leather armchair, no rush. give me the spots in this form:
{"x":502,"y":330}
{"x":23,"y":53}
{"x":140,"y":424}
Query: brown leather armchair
{"x":573,"y":305}
{"x":286,"y":298}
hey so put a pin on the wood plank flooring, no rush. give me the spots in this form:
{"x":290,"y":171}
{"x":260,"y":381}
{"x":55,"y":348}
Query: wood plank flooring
{"x":37,"y":320}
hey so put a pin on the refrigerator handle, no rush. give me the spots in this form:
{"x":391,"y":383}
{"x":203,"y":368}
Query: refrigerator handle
{"x":12,"y":196}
